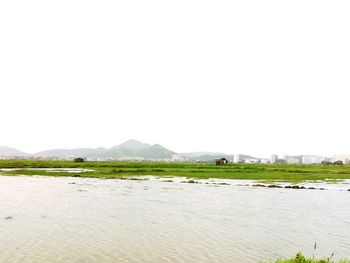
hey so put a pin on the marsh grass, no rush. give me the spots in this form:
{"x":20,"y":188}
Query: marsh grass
{"x":300,"y":258}
{"x":114,"y":170}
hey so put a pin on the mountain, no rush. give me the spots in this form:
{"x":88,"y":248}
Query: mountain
{"x":130,"y":148}
{"x":81,"y":152}
{"x":196,"y":154}
{"x":210,"y":157}
{"x":138,"y":149}
{"x":156,"y":151}
{"x":132,"y":145}
{"x":7,"y":151}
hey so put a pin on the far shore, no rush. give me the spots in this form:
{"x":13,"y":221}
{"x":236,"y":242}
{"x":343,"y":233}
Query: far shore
{"x":120,"y":170}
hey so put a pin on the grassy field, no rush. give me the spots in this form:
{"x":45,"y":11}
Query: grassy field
{"x":114,"y":170}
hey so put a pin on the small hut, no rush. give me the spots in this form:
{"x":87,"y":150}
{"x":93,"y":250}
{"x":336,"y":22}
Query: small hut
{"x":221,"y":161}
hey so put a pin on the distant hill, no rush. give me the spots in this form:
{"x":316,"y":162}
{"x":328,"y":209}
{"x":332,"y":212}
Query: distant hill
{"x":156,"y":152}
{"x":206,"y":156}
{"x":81,"y":152}
{"x":7,"y":151}
{"x":132,"y":145}
{"x":197,"y":154}
{"x":210,"y":157}
{"x":131,"y":148}
{"x":128,"y":149}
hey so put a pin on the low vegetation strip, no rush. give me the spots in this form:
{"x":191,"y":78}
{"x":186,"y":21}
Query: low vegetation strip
{"x":300,"y":258}
{"x":110,"y":170}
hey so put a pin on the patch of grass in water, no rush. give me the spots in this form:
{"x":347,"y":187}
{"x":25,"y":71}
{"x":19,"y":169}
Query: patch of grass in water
{"x":300,"y":258}
{"x":334,"y":180}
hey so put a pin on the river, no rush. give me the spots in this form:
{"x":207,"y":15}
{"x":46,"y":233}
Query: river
{"x":69,"y":219}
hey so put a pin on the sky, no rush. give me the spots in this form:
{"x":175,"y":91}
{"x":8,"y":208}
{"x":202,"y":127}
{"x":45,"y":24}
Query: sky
{"x":254,"y":77}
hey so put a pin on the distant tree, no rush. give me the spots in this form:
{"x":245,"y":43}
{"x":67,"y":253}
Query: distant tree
{"x":78,"y":160}
{"x":338,"y":163}
{"x":326,"y":163}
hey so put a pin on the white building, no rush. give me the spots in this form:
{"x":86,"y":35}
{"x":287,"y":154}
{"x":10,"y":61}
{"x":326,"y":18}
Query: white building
{"x":312,"y":159}
{"x":251,"y":161}
{"x":236,"y":158}
{"x":274,"y":158}
{"x":292,"y":161}
{"x":130,"y":158}
{"x":177,"y":158}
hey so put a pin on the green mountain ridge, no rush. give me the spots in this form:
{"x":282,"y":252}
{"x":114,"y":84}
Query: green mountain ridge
{"x":131,"y":148}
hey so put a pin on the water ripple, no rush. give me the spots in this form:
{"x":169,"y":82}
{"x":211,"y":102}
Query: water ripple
{"x":152,"y":221}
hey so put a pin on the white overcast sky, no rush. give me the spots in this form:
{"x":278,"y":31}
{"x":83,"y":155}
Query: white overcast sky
{"x":255,"y":77}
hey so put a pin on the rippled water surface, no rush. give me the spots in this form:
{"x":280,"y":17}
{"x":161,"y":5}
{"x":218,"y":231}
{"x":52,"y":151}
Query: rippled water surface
{"x":50,"y":219}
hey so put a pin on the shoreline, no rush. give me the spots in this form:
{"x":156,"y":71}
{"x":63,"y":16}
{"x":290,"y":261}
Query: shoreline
{"x":343,"y":185}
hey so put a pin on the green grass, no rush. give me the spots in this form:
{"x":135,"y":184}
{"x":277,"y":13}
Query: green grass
{"x":300,"y":258}
{"x":269,"y":173}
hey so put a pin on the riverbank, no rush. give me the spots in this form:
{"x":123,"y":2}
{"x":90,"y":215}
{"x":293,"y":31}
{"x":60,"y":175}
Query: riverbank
{"x":117,"y":170}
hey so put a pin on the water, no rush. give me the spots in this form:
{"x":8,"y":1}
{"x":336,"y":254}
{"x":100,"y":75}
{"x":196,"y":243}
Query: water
{"x":62,"y":219}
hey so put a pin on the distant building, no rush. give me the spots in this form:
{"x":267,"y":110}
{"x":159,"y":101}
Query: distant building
{"x":292,"y":159}
{"x":274,"y":158}
{"x":265,"y":161}
{"x":221,"y":161}
{"x":70,"y":158}
{"x":340,"y":157}
{"x":251,"y":161}
{"x":236,"y":158}
{"x":312,"y":159}
{"x":177,"y":158}
{"x":130,"y":158}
